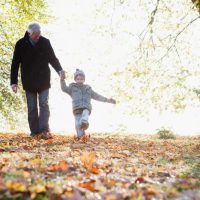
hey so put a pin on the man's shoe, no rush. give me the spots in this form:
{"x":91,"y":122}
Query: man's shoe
{"x":84,"y":125}
{"x":34,"y":135}
{"x":46,"y":135}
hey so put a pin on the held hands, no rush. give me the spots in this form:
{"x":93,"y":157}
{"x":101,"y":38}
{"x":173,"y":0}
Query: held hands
{"x":111,"y":100}
{"x":14,"y":88}
{"x":62,"y":75}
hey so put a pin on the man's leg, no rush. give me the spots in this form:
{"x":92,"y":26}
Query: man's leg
{"x":84,"y":119}
{"x":79,"y":131}
{"x":32,"y":112}
{"x":44,"y":111}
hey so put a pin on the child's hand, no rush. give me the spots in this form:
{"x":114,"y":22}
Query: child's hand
{"x":62,"y":74}
{"x":111,"y":100}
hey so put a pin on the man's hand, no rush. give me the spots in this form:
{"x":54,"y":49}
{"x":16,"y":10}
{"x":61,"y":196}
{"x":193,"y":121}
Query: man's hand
{"x":14,"y":88}
{"x":113,"y":101}
{"x":62,"y":74}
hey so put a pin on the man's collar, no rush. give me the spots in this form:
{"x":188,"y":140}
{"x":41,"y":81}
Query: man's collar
{"x":32,"y":41}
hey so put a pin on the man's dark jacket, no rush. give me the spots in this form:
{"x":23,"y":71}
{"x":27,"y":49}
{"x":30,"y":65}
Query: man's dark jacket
{"x":34,"y":61}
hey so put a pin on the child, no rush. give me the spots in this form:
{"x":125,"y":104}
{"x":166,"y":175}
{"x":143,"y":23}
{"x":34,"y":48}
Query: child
{"x":81,"y":95}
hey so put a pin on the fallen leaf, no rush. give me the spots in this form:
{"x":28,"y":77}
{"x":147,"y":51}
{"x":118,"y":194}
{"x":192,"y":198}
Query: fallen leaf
{"x":61,"y":166}
{"x":16,"y":186}
{"x":94,"y":170}
{"x":89,"y":185}
{"x":140,"y":180}
{"x":88,"y":159}
{"x":163,"y":174}
{"x":37,"y":188}
{"x":36,"y":162}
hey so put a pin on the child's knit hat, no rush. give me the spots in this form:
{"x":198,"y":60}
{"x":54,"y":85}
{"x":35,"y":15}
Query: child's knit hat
{"x":79,"y":73}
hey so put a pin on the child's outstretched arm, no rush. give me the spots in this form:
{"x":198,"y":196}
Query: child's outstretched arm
{"x":99,"y":97}
{"x":64,"y":87}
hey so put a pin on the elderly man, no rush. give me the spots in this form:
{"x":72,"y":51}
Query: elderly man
{"x":32,"y":54}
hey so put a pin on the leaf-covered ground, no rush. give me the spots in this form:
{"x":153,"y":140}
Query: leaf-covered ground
{"x":102,"y":166}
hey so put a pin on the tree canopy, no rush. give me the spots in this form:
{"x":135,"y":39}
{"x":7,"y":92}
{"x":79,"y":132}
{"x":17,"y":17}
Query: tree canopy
{"x":15,"y":15}
{"x":159,"y":40}
{"x":163,"y":57}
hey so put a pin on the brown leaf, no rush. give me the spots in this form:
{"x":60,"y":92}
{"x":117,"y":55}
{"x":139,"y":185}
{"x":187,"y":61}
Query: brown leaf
{"x":140,"y":180}
{"x":61,"y":166}
{"x":118,"y":155}
{"x":94,"y":170}
{"x":2,"y":186}
{"x":50,"y":141}
{"x":163,"y":174}
{"x":109,"y":183}
{"x":113,"y":196}
{"x":88,"y":185}
{"x":151,"y":191}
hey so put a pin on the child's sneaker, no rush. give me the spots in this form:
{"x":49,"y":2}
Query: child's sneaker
{"x":79,"y":138}
{"x":84,"y":125}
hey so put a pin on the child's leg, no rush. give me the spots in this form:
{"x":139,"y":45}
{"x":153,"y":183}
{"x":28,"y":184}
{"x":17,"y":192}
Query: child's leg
{"x":84,"y":119}
{"x":79,"y":131}
{"x":85,"y":115}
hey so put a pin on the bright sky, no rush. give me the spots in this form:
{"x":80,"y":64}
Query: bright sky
{"x":78,"y":46}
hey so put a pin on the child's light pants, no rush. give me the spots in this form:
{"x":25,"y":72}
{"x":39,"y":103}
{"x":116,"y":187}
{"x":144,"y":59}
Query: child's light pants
{"x":79,"y":118}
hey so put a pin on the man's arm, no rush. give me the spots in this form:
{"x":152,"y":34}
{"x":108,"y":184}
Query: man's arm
{"x":53,"y":60}
{"x":15,"y":65}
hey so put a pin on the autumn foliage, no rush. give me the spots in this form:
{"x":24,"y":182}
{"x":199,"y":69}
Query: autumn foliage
{"x":103,"y":167}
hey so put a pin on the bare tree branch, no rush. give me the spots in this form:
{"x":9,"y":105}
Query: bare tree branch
{"x":178,"y":55}
{"x":111,"y":19}
{"x":154,"y":13}
{"x":151,"y":21}
{"x":176,"y":37}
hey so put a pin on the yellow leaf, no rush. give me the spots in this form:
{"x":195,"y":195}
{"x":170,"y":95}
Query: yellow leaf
{"x":26,"y":174}
{"x":88,"y":159}
{"x":37,"y":188}
{"x":16,"y":186}
{"x":36,"y":161}
{"x":111,"y":197}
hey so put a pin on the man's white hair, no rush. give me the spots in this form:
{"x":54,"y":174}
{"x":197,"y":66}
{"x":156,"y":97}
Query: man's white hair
{"x":33,"y":27}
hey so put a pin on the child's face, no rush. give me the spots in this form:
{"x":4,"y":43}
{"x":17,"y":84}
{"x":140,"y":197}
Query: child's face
{"x":80,"y":80}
